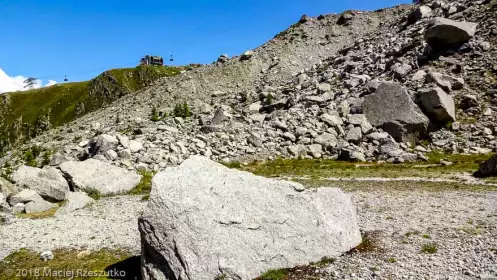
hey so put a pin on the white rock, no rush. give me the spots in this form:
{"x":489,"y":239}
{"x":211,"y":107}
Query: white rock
{"x":219,"y":220}
{"x":135,"y":146}
{"x":101,"y":176}
{"x":47,"y":182}
{"x":75,"y":201}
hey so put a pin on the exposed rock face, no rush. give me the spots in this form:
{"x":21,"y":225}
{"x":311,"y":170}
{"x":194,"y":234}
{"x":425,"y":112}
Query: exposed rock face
{"x":443,"y":32}
{"x":47,"y":182}
{"x":438,"y":104}
{"x":101,"y":176}
{"x":205,"y":220}
{"x":392,"y":109}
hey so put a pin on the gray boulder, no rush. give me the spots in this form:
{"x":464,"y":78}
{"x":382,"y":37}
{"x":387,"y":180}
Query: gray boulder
{"x":204,"y":221}
{"x":418,"y":14}
{"x":349,"y":154}
{"x":488,"y":168}
{"x":446,"y":82}
{"x":75,"y":201}
{"x":24,"y":196}
{"x":392,"y":109}
{"x":247,"y":55}
{"x":354,"y":135}
{"x":7,"y":188}
{"x":443,"y":32}
{"x":57,"y":159}
{"x":101,"y":176}
{"x":438,"y":105}
{"x":38,"y":205}
{"x":297,"y":150}
{"x":102,"y":143}
{"x":47,"y":182}
{"x":18,"y":208}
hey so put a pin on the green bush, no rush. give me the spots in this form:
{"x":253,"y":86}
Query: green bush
{"x":31,"y":154}
{"x":155,"y":115}
{"x":182,"y":111}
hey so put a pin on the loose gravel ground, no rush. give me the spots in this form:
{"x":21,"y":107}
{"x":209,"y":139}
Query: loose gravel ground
{"x":462,"y":224}
{"x":109,"y":223}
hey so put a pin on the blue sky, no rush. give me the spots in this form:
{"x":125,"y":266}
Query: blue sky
{"x":47,"y":39}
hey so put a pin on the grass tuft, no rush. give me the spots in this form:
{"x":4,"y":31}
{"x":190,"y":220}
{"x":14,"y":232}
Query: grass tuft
{"x":429,"y":248}
{"x":64,"y":260}
{"x":145,"y":185}
{"x":93,"y":193}
{"x":277,"y":274}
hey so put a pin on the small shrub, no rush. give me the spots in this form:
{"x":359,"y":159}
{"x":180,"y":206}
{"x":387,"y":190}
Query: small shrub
{"x":93,"y":193}
{"x":155,"y":115}
{"x":31,"y":154}
{"x":392,"y":260}
{"x":269,"y":99}
{"x":182,"y":111}
{"x":426,"y":236}
{"x":429,"y":248}
{"x":47,"y":156}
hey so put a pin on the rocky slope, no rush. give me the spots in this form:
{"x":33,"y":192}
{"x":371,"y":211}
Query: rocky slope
{"x":383,"y":85}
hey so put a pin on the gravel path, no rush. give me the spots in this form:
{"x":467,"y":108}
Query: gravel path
{"x":462,"y":224}
{"x":109,"y":223}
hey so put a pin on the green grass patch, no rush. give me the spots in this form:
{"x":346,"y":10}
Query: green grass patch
{"x":27,"y":114}
{"x":429,"y":248}
{"x":353,"y":185}
{"x":93,"y":193}
{"x":64,"y":260}
{"x":276,"y":274}
{"x":472,"y":230}
{"x":145,"y":185}
{"x":40,"y":215}
{"x":325,"y":168}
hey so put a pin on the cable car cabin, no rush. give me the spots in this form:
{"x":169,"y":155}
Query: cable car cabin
{"x":152,"y":60}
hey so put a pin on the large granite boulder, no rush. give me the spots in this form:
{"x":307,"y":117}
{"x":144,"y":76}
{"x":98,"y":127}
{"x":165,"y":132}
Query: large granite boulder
{"x":205,"y":221}
{"x":96,"y":175}
{"x":47,"y":182}
{"x":444,"y":33}
{"x":438,"y":105}
{"x":392,"y":109}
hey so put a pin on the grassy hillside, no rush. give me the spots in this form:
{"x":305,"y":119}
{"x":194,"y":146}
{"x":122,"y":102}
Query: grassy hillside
{"x":26,"y":114}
